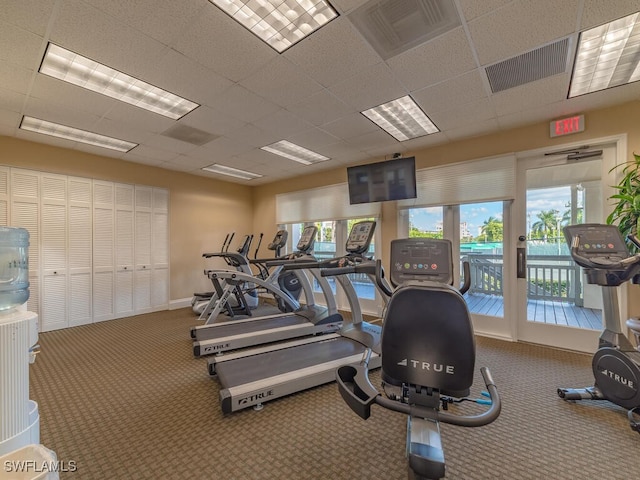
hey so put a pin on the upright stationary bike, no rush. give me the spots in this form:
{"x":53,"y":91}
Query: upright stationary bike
{"x":602,"y":252}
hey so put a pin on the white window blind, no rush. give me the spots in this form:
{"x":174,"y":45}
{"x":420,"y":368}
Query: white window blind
{"x":318,"y":204}
{"x":477,"y":181}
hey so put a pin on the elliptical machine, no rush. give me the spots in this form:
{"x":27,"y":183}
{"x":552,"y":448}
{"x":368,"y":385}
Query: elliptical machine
{"x":428,"y":354}
{"x":602,"y":252}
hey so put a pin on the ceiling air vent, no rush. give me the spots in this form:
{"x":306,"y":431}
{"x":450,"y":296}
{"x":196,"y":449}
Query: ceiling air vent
{"x":394,"y":26}
{"x":189,"y":134}
{"x":537,"y":64}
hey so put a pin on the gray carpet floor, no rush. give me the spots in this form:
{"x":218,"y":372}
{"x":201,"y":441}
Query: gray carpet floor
{"x":125,"y":399}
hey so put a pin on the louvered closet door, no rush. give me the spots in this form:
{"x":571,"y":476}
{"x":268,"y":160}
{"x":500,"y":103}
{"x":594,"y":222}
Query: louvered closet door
{"x":125,"y":264}
{"x":160,"y":250}
{"x":4,"y":196}
{"x":25,"y":212}
{"x":54,"y":312}
{"x":103,"y":251}
{"x":80,"y":216}
{"x":142,"y":276}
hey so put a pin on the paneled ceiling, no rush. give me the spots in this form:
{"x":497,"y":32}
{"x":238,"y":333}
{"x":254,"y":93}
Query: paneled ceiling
{"x":311,"y":94}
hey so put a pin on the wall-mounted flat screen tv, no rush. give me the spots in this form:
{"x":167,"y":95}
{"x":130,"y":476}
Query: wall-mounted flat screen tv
{"x":378,"y":182}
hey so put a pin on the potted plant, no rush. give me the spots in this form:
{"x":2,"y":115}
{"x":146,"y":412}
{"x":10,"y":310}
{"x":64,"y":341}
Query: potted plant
{"x":626,"y":212}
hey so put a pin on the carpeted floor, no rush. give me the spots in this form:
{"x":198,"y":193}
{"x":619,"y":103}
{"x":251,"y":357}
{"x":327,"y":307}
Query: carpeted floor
{"x":125,"y":399}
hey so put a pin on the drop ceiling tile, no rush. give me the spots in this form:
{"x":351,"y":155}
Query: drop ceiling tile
{"x":252,"y":135}
{"x":242,"y":104}
{"x":345,"y":6}
{"x":344,"y":153}
{"x":150,"y":16}
{"x":473,"y":8}
{"x":333,"y":52}
{"x":532,"y":95}
{"x":189,"y":163}
{"x":150,"y":121}
{"x":151,"y":154}
{"x":283,"y":123}
{"x":95,"y":150}
{"x":444,"y":57}
{"x":352,"y":125}
{"x":459,"y":115}
{"x":130,"y":132}
{"x":314,"y":139}
{"x":30,"y":15}
{"x":460,"y":90}
{"x":20,"y":47}
{"x":223,"y":45}
{"x":9,"y":120}
{"x":473,"y":130}
{"x":370,"y":87}
{"x":15,"y":77}
{"x":107,"y":41}
{"x":321,"y":108}
{"x":212,"y":121}
{"x":597,"y":12}
{"x":522,"y":26}
{"x":186,"y":77}
{"x":67,"y":94}
{"x":169,"y":144}
{"x":373,"y":140}
{"x":12,"y":101}
{"x":55,"y":112}
{"x":133,"y":156}
{"x":221,"y":148}
{"x":281,"y":82}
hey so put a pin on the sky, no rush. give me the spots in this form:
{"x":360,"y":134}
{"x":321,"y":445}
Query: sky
{"x":477,"y":213}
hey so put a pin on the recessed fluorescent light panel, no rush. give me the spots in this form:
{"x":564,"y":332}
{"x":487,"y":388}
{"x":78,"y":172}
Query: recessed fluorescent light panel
{"x":608,"y":56}
{"x":294,"y":152}
{"x":231,"y":172}
{"x":401,"y":118}
{"x":279,"y":23}
{"x":61,"y":131}
{"x":84,"y":72}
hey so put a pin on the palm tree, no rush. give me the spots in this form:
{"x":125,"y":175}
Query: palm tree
{"x":546,"y":224}
{"x":492,"y":229}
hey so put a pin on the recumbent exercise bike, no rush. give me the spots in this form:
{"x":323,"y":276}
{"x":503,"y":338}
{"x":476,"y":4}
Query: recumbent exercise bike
{"x":428,"y":354}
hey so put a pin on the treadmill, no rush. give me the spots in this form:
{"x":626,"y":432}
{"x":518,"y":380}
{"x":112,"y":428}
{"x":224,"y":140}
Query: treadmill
{"x":252,"y":377}
{"x":310,"y":319}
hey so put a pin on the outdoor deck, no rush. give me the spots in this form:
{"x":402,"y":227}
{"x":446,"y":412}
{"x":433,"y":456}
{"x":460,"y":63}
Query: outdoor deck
{"x":545,"y":311}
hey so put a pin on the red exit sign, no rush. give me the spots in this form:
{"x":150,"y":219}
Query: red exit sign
{"x":567,"y":126}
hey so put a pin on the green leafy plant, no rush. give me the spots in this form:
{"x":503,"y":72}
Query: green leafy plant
{"x":626,"y":212}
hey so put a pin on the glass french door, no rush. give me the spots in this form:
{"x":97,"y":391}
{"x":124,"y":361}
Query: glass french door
{"x":556,"y":306}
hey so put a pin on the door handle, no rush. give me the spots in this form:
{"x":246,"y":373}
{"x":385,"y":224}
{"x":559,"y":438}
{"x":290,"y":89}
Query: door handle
{"x":522,"y":262}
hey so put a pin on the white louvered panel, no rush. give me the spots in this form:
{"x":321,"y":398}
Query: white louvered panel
{"x":102,"y":193}
{"x":25,"y":184}
{"x":79,"y":190}
{"x":160,"y":288}
{"x":25,"y":214}
{"x":124,"y":196}
{"x":33,"y":304}
{"x":54,"y":237}
{"x":143,"y":197}
{"x":160,"y":200}
{"x":54,"y":302}
{"x":124,"y":292}
{"x":4,"y":212}
{"x":102,"y":295}
{"x":4,"y":196}
{"x":14,"y":381}
{"x":80,"y":312}
{"x":103,"y":237}
{"x":80,"y":241}
{"x":54,"y":188}
{"x":160,"y":240}
{"x":143,"y":238}
{"x":124,"y":238}
{"x":142,"y":287}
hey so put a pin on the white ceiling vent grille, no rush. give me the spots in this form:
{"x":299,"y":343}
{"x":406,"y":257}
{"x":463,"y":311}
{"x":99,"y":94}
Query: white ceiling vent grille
{"x":540,"y":63}
{"x":394,"y":26}
{"x":189,"y":134}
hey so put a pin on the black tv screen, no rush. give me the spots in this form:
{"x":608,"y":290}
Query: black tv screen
{"x":378,"y":182}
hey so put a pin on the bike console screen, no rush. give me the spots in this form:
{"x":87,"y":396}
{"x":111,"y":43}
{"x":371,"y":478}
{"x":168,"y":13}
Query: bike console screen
{"x":421,"y":259}
{"x":597,"y":240}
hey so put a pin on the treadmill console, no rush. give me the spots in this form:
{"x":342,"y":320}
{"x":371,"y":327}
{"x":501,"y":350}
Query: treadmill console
{"x":307,"y":239}
{"x":360,"y":237}
{"x":279,"y":241}
{"x":597,"y":241}
{"x":421,"y":259}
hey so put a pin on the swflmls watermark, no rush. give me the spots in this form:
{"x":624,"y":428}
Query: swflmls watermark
{"x":42,"y":466}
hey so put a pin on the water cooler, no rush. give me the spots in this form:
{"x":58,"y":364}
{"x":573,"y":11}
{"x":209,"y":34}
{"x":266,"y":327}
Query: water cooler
{"x":19,"y":417}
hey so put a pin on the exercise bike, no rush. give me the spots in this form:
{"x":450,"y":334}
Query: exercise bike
{"x":428,"y":354}
{"x":602,"y":252}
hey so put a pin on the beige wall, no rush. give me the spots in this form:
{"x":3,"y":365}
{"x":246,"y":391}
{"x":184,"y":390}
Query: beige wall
{"x":202,"y":210}
{"x":608,"y":122}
